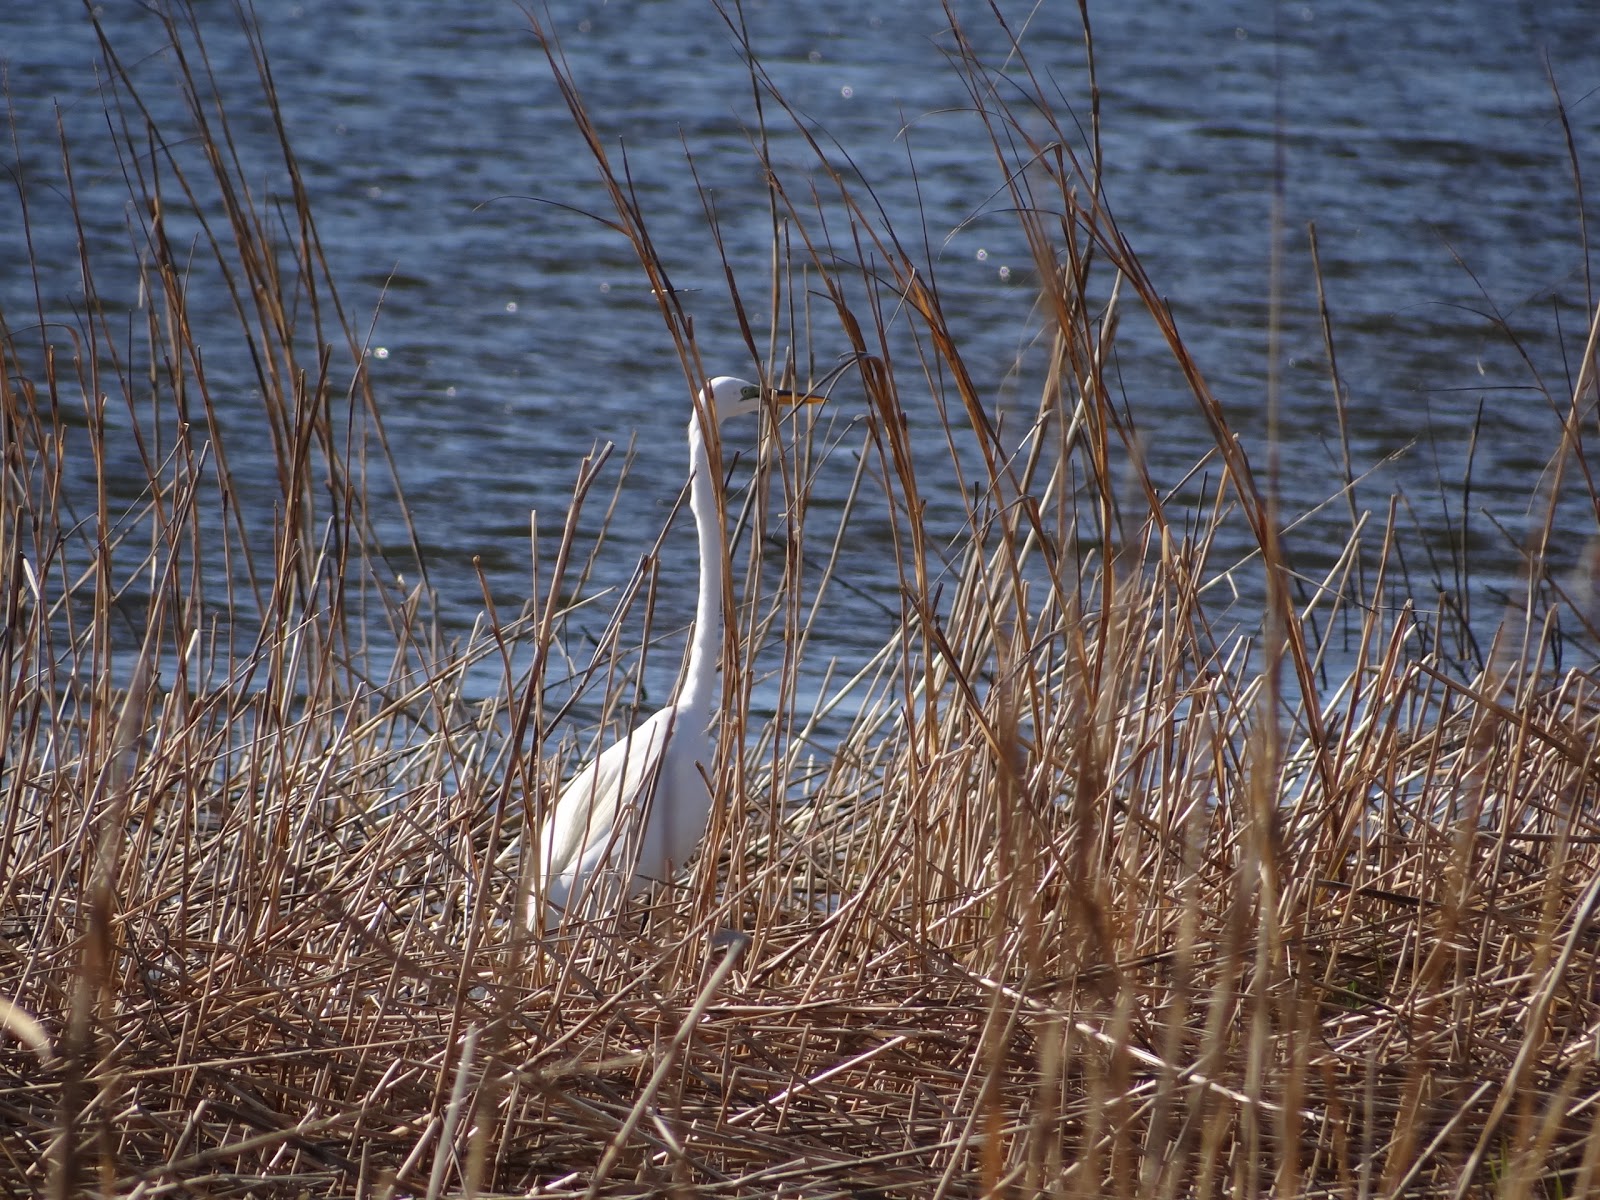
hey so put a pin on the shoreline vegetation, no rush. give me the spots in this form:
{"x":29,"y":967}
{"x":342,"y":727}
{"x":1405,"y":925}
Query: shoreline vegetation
{"x":1093,"y":896}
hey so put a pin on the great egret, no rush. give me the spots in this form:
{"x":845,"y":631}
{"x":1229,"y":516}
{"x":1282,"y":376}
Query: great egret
{"x":639,"y":809}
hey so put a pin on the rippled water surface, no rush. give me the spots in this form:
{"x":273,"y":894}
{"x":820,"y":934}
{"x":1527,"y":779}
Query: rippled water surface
{"x":513,"y":335}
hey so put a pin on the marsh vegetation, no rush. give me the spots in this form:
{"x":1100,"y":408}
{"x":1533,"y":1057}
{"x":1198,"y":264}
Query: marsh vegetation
{"x":1079,"y":885}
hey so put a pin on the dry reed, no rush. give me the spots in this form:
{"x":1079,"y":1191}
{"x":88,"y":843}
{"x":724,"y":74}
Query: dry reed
{"x":1092,"y":896}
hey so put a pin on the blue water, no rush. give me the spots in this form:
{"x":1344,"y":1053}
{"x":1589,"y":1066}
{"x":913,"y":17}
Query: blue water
{"x":510,"y":335}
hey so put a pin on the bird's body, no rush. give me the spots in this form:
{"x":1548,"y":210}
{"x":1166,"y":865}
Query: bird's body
{"x":642,"y":802}
{"x":638,"y":811}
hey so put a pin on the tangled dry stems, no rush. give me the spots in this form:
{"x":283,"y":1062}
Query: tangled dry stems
{"x":1090,"y":896}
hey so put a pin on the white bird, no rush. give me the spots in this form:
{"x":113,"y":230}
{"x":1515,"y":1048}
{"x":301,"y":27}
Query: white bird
{"x":639,"y":810}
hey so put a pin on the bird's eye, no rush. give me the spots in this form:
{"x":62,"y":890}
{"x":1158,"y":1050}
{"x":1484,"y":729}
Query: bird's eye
{"x":750,"y":393}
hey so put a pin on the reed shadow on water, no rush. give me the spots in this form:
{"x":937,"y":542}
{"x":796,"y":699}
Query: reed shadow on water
{"x":1077,"y":886}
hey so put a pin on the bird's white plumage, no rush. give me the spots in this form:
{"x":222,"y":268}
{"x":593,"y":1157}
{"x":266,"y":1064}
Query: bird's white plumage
{"x":638,"y":811}
{"x":633,"y":814}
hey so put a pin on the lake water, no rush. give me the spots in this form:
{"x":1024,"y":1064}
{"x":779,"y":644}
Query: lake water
{"x":511,"y":336}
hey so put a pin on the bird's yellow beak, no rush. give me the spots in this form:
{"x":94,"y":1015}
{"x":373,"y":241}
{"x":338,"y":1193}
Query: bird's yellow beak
{"x":796,"y":399}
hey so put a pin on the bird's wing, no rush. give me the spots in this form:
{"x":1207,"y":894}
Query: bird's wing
{"x":583,"y":825}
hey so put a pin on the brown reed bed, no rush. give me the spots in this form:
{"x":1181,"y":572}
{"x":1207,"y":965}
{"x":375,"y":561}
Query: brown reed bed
{"x":1093,"y":896}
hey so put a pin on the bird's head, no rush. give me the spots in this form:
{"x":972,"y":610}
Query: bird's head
{"x":729,"y":397}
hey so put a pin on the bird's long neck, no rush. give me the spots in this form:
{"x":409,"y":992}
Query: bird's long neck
{"x":695,"y":694}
